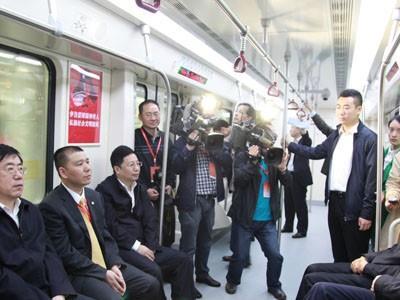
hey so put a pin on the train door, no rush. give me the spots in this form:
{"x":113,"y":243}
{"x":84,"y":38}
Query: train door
{"x":27,"y":115}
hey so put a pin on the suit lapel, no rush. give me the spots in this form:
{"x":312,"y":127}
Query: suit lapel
{"x":72,"y":208}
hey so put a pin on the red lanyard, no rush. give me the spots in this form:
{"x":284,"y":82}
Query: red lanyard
{"x":154,"y":155}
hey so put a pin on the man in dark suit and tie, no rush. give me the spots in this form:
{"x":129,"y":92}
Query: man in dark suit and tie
{"x":132,"y":221}
{"x":295,"y":194}
{"x":29,"y":266}
{"x":74,"y":218}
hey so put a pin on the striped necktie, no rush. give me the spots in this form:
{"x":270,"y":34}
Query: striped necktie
{"x":97,"y":255}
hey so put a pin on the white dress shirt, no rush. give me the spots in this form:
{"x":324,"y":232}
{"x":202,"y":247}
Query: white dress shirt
{"x":342,"y":158}
{"x":13,"y":213}
{"x":77,"y":198}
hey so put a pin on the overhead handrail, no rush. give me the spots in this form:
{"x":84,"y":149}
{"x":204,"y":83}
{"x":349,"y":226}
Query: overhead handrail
{"x":392,"y":237}
{"x":149,"y":5}
{"x":240,"y":63}
{"x":256,"y":45}
{"x":379,"y":168}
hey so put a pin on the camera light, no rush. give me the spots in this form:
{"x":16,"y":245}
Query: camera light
{"x":269,"y":112}
{"x":208,"y":105}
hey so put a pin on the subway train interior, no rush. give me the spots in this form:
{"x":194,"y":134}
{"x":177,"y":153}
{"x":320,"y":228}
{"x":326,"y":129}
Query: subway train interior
{"x":73,"y":72}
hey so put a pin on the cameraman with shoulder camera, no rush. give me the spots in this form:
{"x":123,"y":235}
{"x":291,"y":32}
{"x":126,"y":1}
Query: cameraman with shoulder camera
{"x":244,"y":115}
{"x":254,"y":211}
{"x":199,"y":183}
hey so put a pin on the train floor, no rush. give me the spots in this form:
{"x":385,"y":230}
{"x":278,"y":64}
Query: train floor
{"x":297,"y":253}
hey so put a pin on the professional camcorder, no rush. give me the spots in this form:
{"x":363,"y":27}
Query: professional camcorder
{"x":260,"y":135}
{"x":186,"y":119}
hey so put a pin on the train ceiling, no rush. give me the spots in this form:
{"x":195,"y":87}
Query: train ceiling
{"x":316,"y":35}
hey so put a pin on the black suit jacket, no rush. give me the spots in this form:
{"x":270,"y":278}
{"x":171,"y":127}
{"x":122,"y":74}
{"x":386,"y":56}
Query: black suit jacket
{"x":127,"y":225}
{"x":301,"y":165}
{"x":326,"y":130}
{"x":29,"y":266}
{"x":67,"y":230}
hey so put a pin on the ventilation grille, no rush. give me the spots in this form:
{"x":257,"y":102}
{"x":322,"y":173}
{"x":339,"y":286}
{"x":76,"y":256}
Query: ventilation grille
{"x":183,"y":10}
{"x":341,"y":17}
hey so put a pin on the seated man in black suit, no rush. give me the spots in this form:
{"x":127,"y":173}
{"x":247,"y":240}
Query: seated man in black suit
{"x":74,"y":218}
{"x":361,"y":272}
{"x":132,"y":221}
{"x":29,"y":266}
{"x":383,"y":287}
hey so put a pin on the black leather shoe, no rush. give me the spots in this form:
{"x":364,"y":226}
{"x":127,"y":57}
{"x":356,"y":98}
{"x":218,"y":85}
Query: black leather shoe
{"x":197,"y":294}
{"x":227,"y":258}
{"x":285,"y":230}
{"x":230,"y":288}
{"x":277,"y":293}
{"x":299,"y":235}
{"x":208,"y":280}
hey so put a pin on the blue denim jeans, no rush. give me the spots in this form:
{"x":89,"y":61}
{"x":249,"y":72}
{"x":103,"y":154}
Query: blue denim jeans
{"x":196,"y":228}
{"x":266,"y":234}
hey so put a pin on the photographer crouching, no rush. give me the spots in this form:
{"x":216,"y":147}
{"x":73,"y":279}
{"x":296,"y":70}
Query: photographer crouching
{"x":254,"y":211}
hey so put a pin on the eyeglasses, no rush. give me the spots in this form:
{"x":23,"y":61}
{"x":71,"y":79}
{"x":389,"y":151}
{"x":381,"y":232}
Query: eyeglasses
{"x":12,"y":170}
{"x":150,"y":114}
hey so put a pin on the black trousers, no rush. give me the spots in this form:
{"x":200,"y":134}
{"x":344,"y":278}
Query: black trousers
{"x":348,"y":242}
{"x":334,"y":291}
{"x":295,"y":203}
{"x":170,"y":265}
{"x":139,"y":285}
{"x":333,"y":273}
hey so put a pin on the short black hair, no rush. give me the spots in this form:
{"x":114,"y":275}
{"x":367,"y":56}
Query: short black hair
{"x":251,"y":112}
{"x":220,"y":124}
{"x":395,"y":118}
{"x":118,"y":155}
{"x":358,"y":99}
{"x":61,"y":155}
{"x":145,"y":102}
{"x":6,"y":150}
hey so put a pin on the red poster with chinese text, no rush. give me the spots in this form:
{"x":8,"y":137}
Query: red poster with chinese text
{"x":84,"y":114}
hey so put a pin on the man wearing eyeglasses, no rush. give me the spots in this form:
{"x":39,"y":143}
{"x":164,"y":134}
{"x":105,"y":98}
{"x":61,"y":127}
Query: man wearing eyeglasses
{"x":29,"y":266}
{"x":75,"y":222}
{"x":149,"y":148}
{"x":132,"y":221}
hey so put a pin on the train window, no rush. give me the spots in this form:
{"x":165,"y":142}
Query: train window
{"x":226,"y":114}
{"x":141,"y":95}
{"x":24,"y":119}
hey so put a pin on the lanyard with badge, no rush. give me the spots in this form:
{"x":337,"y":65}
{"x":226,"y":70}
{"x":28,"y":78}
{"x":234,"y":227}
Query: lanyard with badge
{"x":266,"y":185}
{"x":154,"y":168}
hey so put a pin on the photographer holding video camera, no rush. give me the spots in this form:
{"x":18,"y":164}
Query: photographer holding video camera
{"x":256,"y":203}
{"x":198,"y":158}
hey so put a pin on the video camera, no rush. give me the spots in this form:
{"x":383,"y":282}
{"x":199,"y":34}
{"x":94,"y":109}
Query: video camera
{"x":260,"y":135}
{"x":186,"y":119}
{"x":156,"y":184}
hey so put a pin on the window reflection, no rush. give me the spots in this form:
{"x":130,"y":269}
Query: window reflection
{"x":24,"y":82}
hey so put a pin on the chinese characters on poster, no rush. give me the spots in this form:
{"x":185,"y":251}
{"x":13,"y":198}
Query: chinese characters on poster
{"x":84,"y":114}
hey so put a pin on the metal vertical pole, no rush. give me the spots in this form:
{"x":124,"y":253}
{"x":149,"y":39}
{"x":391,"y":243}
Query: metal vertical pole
{"x":284,"y":130}
{"x":165,"y":152}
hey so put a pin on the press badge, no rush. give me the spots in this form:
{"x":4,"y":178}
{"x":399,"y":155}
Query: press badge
{"x":153,"y":171}
{"x":266,"y":190}
{"x":212,"y":171}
